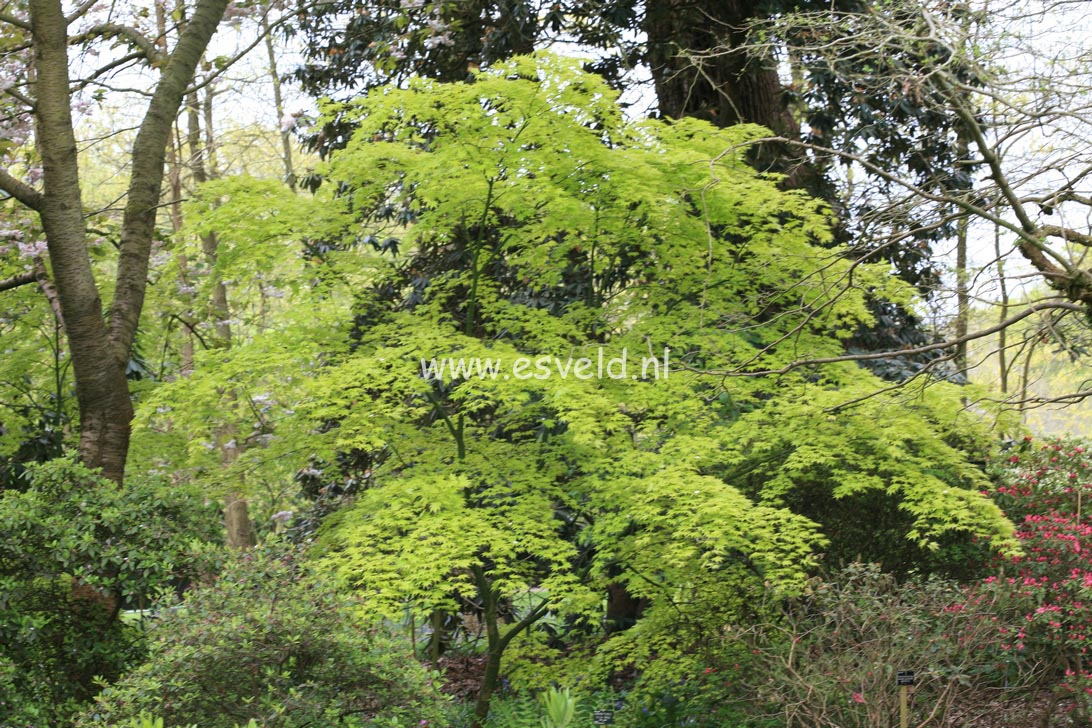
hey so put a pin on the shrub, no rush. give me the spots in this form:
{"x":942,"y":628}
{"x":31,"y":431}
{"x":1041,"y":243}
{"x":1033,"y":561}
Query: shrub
{"x":145,"y":720}
{"x":75,"y":550}
{"x":18,"y":706}
{"x":1046,"y":490}
{"x":832,"y":657}
{"x":268,"y":642}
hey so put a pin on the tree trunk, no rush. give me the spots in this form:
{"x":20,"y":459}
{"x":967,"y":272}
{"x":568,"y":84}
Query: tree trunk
{"x":239,"y":527}
{"x":963,"y":275}
{"x":278,"y":105}
{"x":149,"y":158}
{"x":210,"y":241}
{"x":729,"y":88}
{"x":488,"y":686}
{"x":1002,"y":335}
{"x":494,"y":648}
{"x":102,"y":390}
{"x":963,"y":296}
{"x":724,"y":87}
{"x":497,"y":641}
{"x":240,"y":531}
{"x":100,"y":352}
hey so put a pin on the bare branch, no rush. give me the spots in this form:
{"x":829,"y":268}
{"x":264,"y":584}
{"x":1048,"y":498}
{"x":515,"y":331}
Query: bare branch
{"x":223,"y":68}
{"x":1025,"y":122}
{"x":148,"y":160}
{"x":80,"y":11}
{"x":12,"y":20}
{"x":918,"y":376}
{"x":45,"y":285}
{"x":1030,"y":245}
{"x":18,"y":280}
{"x":1033,"y":402}
{"x":20,"y":97}
{"x":130,"y":35}
{"x":113,"y":65}
{"x":871,"y":356}
{"x":120,"y":89}
{"x":1075,"y":282}
{"x":40,"y":276}
{"x":1072,"y":236}
{"x":20,"y":190}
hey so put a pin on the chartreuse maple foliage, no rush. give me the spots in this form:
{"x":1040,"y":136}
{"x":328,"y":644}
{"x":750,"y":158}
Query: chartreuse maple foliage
{"x":565,"y":229}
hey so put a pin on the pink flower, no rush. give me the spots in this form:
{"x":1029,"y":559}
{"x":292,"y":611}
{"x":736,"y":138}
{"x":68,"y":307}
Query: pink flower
{"x":858,"y":698}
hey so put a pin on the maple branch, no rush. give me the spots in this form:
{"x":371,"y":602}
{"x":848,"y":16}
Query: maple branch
{"x":192,"y":328}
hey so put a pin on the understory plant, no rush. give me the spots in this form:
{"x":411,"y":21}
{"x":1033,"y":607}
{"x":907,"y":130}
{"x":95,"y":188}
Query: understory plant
{"x":146,"y":720}
{"x":559,"y":706}
{"x":269,"y":643}
{"x":1046,"y":489}
{"x":75,"y":551}
{"x":829,"y":659}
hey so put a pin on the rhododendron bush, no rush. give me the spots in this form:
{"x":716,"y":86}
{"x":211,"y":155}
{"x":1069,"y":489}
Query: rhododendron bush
{"x":1045,"y":489}
{"x":1009,"y":646}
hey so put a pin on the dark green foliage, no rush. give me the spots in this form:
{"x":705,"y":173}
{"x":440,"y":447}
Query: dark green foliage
{"x":267,"y":641}
{"x":40,"y":437}
{"x":74,"y":551}
{"x":20,"y":707}
{"x":393,"y":40}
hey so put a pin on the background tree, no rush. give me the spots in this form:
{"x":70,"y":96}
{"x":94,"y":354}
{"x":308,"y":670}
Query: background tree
{"x":347,"y":51}
{"x":1026,"y":131}
{"x":99,"y":347}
